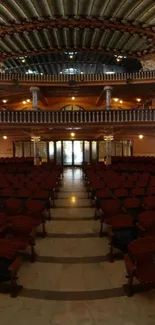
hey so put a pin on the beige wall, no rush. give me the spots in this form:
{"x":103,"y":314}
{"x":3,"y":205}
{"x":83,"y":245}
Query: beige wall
{"x":6,"y":148}
{"x":144,"y":147}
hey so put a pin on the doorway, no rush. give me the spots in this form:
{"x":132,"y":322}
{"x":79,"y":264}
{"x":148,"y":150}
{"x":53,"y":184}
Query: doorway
{"x":72,"y":153}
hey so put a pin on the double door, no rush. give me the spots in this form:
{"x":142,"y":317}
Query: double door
{"x":72,"y":152}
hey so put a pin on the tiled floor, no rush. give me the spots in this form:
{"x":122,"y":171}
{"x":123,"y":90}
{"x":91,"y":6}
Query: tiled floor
{"x":72,"y":281}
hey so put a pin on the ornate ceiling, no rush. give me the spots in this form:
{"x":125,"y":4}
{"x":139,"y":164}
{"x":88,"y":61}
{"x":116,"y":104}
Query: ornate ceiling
{"x":124,"y":27}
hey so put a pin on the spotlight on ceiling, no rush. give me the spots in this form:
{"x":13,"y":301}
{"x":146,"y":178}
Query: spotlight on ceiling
{"x":4,"y":101}
{"x":28,"y":100}
{"x":23,"y":60}
{"x":116,"y":100}
{"x":72,"y":134}
{"x":24,"y":102}
{"x":71,"y":56}
{"x":141,"y":136}
{"x":5,"y":137}
{"x":121,"y":102}
{"x":138,"y":100}
{"x":118,"y":60}
{"x":73,"y":98}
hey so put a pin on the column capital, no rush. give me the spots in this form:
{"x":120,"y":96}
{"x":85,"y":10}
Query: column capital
{"x":108,"y":88}
{"x":32,"y":89}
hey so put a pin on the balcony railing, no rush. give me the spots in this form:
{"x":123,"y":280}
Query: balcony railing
{"x":78,"y":117}
{"x":86,"y":78}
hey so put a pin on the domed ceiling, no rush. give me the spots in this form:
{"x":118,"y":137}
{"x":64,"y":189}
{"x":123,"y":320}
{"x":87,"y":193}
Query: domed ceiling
{"x":123,"y":28}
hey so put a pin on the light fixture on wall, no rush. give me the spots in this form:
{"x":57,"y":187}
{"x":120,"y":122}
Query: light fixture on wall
{"x":4,"y":101}
{"x":24,"y":102}
{"x":121,"y":102}
{"x":72,"y":134}
{"x":118,"y":59}
{"x":28,"y":100}
{"x":116,"y":100}
{"x":5,"y":137}
{"x":141,"y":136}
{"x":138,"y":100}
{"x":73,"y":98}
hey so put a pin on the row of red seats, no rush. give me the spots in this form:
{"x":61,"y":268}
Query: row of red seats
{"x":129,"y":221}
{"x":22,"y":211}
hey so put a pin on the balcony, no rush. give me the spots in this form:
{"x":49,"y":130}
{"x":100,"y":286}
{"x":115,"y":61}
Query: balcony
{"x":80,"y":79}
{"x":77,"y":118}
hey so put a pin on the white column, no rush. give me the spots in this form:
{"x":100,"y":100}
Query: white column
{"x":35,"y":140}
{"x":108,"y":90}
{"x":108,"y":140}
{"x":34,"y":91}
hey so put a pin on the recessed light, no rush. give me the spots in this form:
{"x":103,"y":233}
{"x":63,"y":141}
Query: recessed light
{"x":73,"y":98}
{"x":5,"y":137}
{"x":72,"y":134}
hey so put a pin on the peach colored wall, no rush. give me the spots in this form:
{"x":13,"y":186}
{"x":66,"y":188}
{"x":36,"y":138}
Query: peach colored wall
{"x":144,"y":147}
{"x":6,"y":148}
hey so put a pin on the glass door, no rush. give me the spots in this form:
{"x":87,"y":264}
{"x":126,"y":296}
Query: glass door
{"x":67,"y":153}
{"x":77,"y":152}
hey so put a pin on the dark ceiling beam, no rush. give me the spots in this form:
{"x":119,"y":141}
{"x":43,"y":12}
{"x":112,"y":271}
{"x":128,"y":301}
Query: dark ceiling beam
{"x":100,"y":98}
{"x":38,"y":25}
{"x":6,"y":56}
{"x":77,"y":23}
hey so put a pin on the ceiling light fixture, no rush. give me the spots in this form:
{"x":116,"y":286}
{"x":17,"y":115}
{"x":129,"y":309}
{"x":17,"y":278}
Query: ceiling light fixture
{"x":141,"y":136}
{"x":116,"y":100}
{"x":73,"y":98}
{"x":118,"y":60}
{"x":110,"y":72}
{"x":5,"y":137}
{"x":72,"y":134}
{"x":71,"y":56}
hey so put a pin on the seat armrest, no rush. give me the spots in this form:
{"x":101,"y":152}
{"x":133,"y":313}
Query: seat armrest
{"x":14,"y":267}
{"x":129,"y":263}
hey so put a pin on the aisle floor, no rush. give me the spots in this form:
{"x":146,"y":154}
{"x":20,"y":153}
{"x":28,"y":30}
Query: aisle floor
{"x":72,"y":281}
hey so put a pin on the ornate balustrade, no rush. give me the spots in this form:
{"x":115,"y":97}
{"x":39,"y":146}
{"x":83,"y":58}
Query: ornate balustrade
{"x":136,"y":77}
{"x":77,"y":117}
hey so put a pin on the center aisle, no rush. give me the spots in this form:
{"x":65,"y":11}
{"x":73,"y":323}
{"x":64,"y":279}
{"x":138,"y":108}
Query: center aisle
{"x":72,"y":281}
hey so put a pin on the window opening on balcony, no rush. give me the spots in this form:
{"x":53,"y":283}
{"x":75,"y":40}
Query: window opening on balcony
{"x":72,"y":108}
